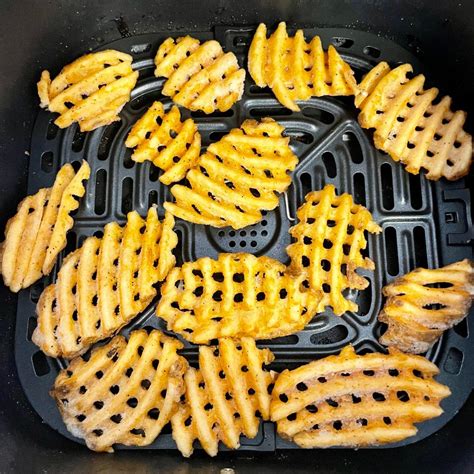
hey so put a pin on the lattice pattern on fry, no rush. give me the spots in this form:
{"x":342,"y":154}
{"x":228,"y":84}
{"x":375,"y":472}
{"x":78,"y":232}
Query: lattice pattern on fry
{"x":410,"y":127}
{"x":423,"y":303}
{"x":91,"y":91}
{"x":225,"y":398}
{"x":234,"y":296}
{"x":36,"y":234}
{"x":104,"y":284}
{"x":329,"y":243}
{"x":352,"y":401}
{"x":200,"y":76}
{"x":162,"y":138}
{"x":238,"y":177}
{"x":125,"y":393}
{"x":296,"y":70}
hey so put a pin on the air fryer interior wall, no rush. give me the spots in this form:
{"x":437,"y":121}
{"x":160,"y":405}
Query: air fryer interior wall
{"x":37,"y":35}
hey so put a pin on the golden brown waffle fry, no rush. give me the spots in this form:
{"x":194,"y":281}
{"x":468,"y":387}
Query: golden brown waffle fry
{"x":353,"y":401}
{"x":409,"y":127}
{"x":104,"y":284}
{"x":238,"y":177}
{"x":91,"y":91}
{"x":423,"y":303}
{"x":296,"y":70}
{"x":225,"y":398}
{"x":125,"y":393}
{"x":234,"y":296}
{"x":329,"y":243}
{"x":162,"y":138}
{"x":200,"y":76}
{"x":37,"y":233}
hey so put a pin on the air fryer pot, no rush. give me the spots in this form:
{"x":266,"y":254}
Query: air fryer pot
{"x":439,"y":36}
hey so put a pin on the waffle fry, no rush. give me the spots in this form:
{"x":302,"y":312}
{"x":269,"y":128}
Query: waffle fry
{"x":238,"y":177}
{"x":37,"y":233}
{"x":236,"y":295}
{"x":125,"y":393}
{"x":354,"y":401}
{"x":104,"y":284}
{"x":225,"y":398}
{"x":162,"y":138}
{"x":91,"y":91}
{"x":409,"y":127}
{"x":423,"y":303}
{"x":200,"y":76}
{"x":329,"y":240}
{"x":296,"y":70}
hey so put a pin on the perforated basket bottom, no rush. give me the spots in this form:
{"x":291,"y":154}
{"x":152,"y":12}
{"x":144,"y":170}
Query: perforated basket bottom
{"x":424,"y":224}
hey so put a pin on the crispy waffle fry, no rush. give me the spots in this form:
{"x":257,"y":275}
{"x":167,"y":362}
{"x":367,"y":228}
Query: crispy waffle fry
{"x":225,"y":398}
{"x":423,"y":303}
{"x":329,"y":243}
{"x":162,"y":138}
{"x":104,"y":284}
{"x":296,"y":70}
{"x":200,"y":76}
{"x":125,"y":393}
{"x":238,"y":177}
{"x":353,"y":401}
{"x":91,"y":91}
{"x":234,"y":296}
{"x":409,"y":127}
{"x":37,"y":233}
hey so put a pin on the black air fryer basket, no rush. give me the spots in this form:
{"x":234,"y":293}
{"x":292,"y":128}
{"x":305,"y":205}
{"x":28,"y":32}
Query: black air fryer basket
{"x":424,"y":223}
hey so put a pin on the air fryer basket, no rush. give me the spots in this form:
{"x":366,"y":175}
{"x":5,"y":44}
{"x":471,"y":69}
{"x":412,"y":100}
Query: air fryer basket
{"x":427,"y":224}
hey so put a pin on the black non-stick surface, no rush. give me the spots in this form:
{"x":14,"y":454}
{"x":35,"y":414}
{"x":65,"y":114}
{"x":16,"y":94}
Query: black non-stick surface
{"x":424,"y":223}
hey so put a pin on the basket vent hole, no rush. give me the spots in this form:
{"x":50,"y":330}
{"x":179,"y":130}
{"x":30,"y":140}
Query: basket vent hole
{"x":78,"y":140}
{"x":128,"y":163}
{"x":47,"y":160}
{"x":365,"y":299}
{"x":152,"y":198}
{"x":387,"y":187}
{"x":215,"y":114}
{"x":100,"y":191}
{"x":302,"y":137}
{"x":416,"y":198}
{"x":40,"y":364}
{"x":127,"y":195}
{"x":306,"y":183}
{"x":461,"y":329}
{"x":71,"y":239}
{"x":254,"y":89}
{"x":144,"y":101}
{"x":391,"y":251}
{"x":320,"y":115}
{"x":292,"y":339}
{"x":154,"y":173}
{"x":35,"y":291}
{"x":269,"y":112}
{"x":353,"y":145}
{"x":453,"y":362}
{"x":372,"y":52}
{"x":216,"y":136}
{"x":106,"y":140}
{"x":329,"y":164}
{"x":32,"y":323}
{"x":359,"y":188}
{"x":341,"y":42}
{"x":331,"y":336}
{"x":52,"y":130}
{"x":419,"y":240}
